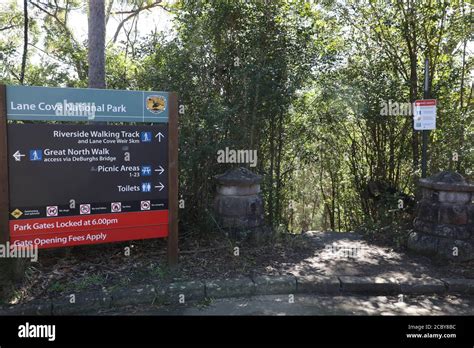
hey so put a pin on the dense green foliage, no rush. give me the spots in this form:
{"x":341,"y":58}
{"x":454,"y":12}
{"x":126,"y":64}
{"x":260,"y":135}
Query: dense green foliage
{"x":300,"y":82}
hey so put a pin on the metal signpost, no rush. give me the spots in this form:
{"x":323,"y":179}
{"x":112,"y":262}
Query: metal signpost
{"x":424,"y":118}
{"x":75,"y":182}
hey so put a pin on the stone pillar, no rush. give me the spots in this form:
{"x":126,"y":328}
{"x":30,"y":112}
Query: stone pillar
{"x":239,"y":204}
{"x":444,"y":225}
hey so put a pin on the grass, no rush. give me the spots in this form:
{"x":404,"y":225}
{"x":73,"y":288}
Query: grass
{"x":58,"y":287}
{"x":83,"y":284}
{"x":206,"y":302}
{"x":88,"y":281}
{"x":158,"y":271}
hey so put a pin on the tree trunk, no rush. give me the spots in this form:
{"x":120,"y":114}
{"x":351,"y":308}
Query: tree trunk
{"x":271,"y":179}
{"x":279,"y":179}
{"x":96,"y":35}
{"x":25,"y":41}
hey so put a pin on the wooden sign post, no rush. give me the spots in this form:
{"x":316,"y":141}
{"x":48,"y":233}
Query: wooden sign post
{"x":7,"y":266}
{"x":173,"y":180}
{"x":4,"y":195}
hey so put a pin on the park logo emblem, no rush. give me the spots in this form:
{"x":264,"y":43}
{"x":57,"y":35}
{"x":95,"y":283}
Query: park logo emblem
{"x":16,"y":213}
{"x":155,"y":103}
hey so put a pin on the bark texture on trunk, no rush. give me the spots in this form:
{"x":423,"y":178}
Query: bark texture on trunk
{"x":96,"y":35}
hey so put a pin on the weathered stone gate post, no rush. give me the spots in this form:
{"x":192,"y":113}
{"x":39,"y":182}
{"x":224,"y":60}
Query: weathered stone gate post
{"x":239,"y":204}
{"x":444,"y":225}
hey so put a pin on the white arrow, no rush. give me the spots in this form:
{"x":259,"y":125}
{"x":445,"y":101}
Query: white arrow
{"x":159,"y":136}
{"x":161,"y":187}
{"x":18,"y":155}
{"x":160,"y":171}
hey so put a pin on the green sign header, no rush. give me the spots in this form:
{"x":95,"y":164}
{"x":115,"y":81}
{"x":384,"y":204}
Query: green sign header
{"x":85,"y":104}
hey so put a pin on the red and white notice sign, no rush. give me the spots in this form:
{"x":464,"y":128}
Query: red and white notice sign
{"x":424,"y":114}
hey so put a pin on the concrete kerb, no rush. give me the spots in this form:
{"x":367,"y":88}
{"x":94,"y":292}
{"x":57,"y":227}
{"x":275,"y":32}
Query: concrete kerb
{"x":237,"y":287}
{"x":275,"y":285}
{"x":318,"y":284}
{"x":136,"y":295}
{"x":369,"y":285}
{"x":459,"y":286}
{"x":179,"y":293}
{"x":81,"y":302}
{"x":183,"y":292}
{"x":44,"y":307}
{"x":423,"y":286}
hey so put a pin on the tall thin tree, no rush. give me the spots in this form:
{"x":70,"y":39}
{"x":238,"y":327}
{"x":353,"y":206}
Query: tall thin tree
{"x":25,"y":41}
{"x":96,"y":36}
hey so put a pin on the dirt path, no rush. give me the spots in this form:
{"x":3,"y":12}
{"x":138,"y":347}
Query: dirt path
{"x":59,"y":273}
{"x":349,"y":254}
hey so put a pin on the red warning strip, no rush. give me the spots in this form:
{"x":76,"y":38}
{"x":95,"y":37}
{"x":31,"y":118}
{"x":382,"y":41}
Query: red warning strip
{"x":425,"y":102}
{"x":89,"y":229}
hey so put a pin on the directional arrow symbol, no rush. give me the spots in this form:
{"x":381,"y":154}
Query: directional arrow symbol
{"x":159,"y":136}
{"x":160,"y":187}
{"x":160,"y":170}
{"x":18,"y":155}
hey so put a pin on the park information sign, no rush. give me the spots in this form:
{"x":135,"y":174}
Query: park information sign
{"x":82,"y":182}
{"x":425,"y":114}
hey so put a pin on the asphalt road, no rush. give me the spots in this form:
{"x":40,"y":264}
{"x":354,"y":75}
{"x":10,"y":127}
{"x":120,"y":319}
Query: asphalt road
{"x":314,"y":305}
